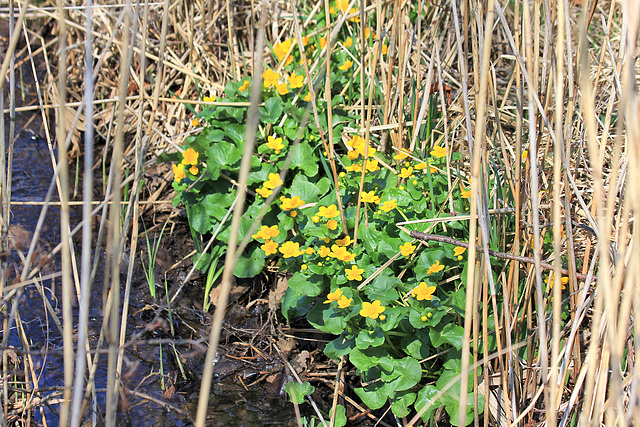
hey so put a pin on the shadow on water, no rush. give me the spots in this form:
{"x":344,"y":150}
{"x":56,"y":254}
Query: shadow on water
{"x":159,"y":383}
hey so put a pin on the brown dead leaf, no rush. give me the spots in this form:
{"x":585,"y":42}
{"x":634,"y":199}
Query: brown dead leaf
{"x":276,"y":295}
{"x":234,"y":294}
{"x":299,"y":363}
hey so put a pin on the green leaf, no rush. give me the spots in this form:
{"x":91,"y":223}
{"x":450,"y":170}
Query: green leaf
{"x":449,"y":334}
{"x":366,"y":339}
{"x":373,"y":395}
{"x":416,"y":345}
{"x":410,"y":371}
{"x":223,"y":153}
{"x":325,"y":318}
{"x":341,"y":416}
{"x":250,"y":264}
{"x":383,"y":288}
{"x":198,"y":218}
{"x":400,"y":403}
{"x":340,"y":346}
{"x":306,"y":285}
{"x":297,"y":391}
{"x":294,"y":304}
{"x":373,"y":357}
{"x":425,"y":260}
{"x":302,"y":157}
{"x":426,"y":398}
{"x":304,"y":189}
{"x":273,"y":108}
{"x":236,"y":133}
{"x":217,"y":204}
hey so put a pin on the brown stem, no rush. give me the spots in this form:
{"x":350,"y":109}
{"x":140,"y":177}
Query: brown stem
{"x":426,"y":237}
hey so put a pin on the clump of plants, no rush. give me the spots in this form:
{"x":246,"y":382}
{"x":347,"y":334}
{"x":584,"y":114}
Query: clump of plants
{"x":338,"y":225}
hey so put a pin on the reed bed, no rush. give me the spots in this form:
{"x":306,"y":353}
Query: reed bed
{"x":541,"y":96}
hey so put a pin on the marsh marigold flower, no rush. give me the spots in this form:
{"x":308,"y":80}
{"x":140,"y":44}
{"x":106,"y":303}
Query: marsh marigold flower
{"x":401,"y":154}
{"x":281,"y":49}
{"x":458,"y":251}
{"x":354,"y":273}
{"x":193,"y":170}
{"x":295,"y":81}
{"x":389,"y":205}
{"x":267,"y":232}
{"x":348,"y":42}
{"x":178,"y":173}
{"x":421,"y":165}
{"x":406,"y":172}
{"x":273,"y":181}
{"x":334,"y":296}
{"x":330,"y":211}
{"x":344,"y":242}
{"x":465,"y":194}
{"x":372,"y":310}
{"x":385,"y":49}
{"x":372,"y":166}
{"x":354,"y":168}
{"x":370,"y":197}
{"x":423,"y":292}
{"x":347,"y":64}
{"x":244,"y":86}
{"x":190,"y":157}
{"x":282,"y":88}
{"x":264,"y":192}
{"x":270,"y":247}
{"x":332,"y":224}
{"x":290,"y":249}
{"x":435,"y":268}
{"x":438,"y":152}
{"x":292,"y":203}
{"x":270,"y":78}
{"x":339,"y":252}
{"x":407,"y":249}
{"x":275,"y":144}
{"x":324,"y":251}
{"x":307,"y":97}
{"x":344,"y":302}
{"x":323,"y":42}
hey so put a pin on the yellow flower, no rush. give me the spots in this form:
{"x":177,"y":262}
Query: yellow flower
{"x":315,"y":218}
{"x":358,"y":144}
{"x":372,"y":310}
{"x":385,"y":49}
{"x":281,"y":49}
{"x":339,"y":252}
{"x":423,"y":292}
{"x":348,"y":42}
{"x":282,"y":88}
{"x":193,"y":170}
{"x":303,"y":267}
{"x":295,"y":81}
{"x":275,"y":144}
{"x":270,"y":78}
{"x":290,"y":249}
{"x":273,"y":181}
{"x":458,"y":251}
{"x":267,"y":232}
{"x":423,"y":318}
{"x":332,"y":224}
{"x":307,"y":97}
{"x":525,"y":154}
{"x":563,"y":281}
{"x":323,"y":42}
{"x":421,"y":165}
{"x":330,"y":211}
{"x":344,"y":242}
{"x":310,"y":251}
{"x":292,"y":203}
{"x":347,"y":64}
{"x":367,"y":32}
{"x":354,"y":273}
{"x":244,"y":86}
{"x":349,"y":257}
{"x":406,"y":172}
{"x":194,"y":121}
{"x":407,"y":249}
{"x":435,"y":268}
{"x":438,"y":152}
{"x":334,"y":296}
{"x":178,"y":173}
{"x":270,"y":247}
{"x":354,"y":168}
{"x":190,"y":157}
{"x":343,"y":5}
{"x":372,"y":166}
{"x":389,"y":205}
{"x":433,"y":169}
{"x":209,"y":99}
{"x":465,"y":194}
{"x":293,"y":214}
{"x":344,"y":302}
{"x":305,"y":40}
{"x":324,"y":251}
{"x":370,"y":197}
{"x":264,"y":192}
{"x":401,"y":154}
